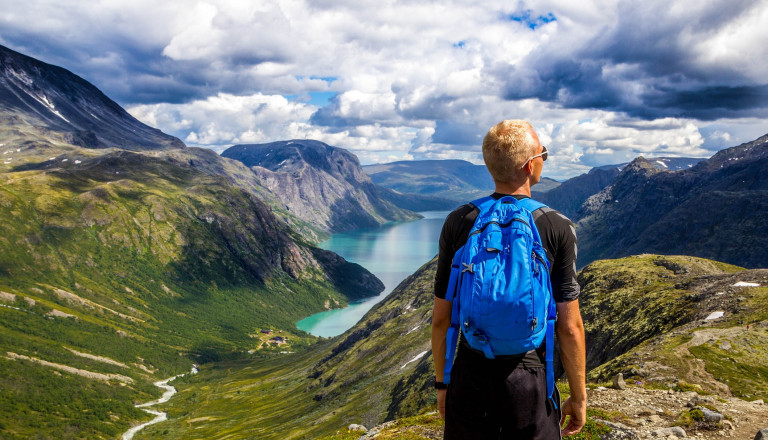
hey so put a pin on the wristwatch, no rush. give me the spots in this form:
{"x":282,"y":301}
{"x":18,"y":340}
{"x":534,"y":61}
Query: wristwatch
{"x":441,"y":385}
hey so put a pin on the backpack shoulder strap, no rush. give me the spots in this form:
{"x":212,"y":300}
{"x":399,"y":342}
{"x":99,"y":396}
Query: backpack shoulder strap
{"x":530,"y":204}
{"x":483,"y":204}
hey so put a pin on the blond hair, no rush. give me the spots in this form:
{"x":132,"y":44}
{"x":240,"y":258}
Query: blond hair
{"x":507,"y":147}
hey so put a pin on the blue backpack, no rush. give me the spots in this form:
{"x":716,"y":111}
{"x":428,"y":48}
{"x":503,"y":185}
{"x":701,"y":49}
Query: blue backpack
{"x":500,"y":287}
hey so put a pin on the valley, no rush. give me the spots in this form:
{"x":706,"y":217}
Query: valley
{"x":127,"y":257}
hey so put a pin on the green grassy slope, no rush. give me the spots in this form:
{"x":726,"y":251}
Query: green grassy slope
{"x":137,"y":266}
{"x":375,"y":371}
{"x":365,"y":376}
{"x":646,"y":316}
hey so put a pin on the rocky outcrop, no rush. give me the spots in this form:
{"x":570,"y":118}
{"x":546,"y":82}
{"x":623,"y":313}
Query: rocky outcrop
{"x":322,"y":185}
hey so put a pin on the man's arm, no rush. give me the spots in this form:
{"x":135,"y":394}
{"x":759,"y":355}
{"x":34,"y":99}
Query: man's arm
{"x":570,"y":335}
{"x":441,"y":320}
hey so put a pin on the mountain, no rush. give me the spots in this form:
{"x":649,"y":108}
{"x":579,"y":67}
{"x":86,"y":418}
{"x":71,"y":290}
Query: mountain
{"x":448,"y":179}
{"x":39,"y":101}
{"x":318,"y":183}
{"x":716,"y":209}
{"x":125,"y":265}
{"x":143,"y":266}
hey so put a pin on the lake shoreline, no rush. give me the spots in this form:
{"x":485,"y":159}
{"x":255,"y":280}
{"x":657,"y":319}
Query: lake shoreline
{"x":392,"y":252}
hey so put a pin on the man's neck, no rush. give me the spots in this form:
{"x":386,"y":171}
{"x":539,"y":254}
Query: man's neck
{"x":512,"y":188}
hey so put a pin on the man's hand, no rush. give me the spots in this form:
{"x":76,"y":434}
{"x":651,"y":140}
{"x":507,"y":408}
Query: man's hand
{"x":577,"y":411}
{"x":441,"y":402}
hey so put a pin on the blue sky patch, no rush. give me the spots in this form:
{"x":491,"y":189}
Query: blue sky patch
{"x":318,"y":99}
{"x":532,"y":22}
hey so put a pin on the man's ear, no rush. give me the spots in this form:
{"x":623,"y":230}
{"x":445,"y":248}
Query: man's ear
{"x":528,"y":168}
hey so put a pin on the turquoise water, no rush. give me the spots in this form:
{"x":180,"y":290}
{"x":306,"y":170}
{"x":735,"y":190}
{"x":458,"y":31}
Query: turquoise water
{"x":391,"y":252}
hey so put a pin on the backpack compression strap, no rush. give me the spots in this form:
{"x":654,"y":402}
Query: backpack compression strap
{"x":532,"y":205}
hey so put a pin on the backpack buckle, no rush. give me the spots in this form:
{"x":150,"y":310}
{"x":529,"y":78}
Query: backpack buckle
{"x":468,"y":267}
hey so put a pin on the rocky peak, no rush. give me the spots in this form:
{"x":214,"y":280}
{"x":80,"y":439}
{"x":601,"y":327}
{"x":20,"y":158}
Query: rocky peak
{"x":320,"y":184}
{"x":294,"y":155}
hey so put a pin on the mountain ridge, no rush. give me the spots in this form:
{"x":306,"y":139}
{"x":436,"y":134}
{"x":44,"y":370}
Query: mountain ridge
{"x":641,"y":210}
{"x":53,"y":102}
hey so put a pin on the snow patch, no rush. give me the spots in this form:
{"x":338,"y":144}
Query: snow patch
{"x":416,"y":358}
{"x":662,"y":164}
{"x":44,"y":101}
{"x":745,"y":284}
{"x":714,"y":315}
{"x":78,"y":162}
{"x":412,"y":330}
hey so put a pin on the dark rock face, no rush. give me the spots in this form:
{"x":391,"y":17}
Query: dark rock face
{"x":716,"y":209}
{"x":320,"y":184}
{"x":56,"y":103}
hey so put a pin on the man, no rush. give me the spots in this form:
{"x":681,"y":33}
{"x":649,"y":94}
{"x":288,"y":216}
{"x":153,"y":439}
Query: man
{"x":505,"y":397}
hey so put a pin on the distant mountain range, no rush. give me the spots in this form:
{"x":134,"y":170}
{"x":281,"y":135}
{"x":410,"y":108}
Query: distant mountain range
{"x":445,"y":184}
{"x":320,"y":184}
{"x":571,"y":194}
{"x":716,"y":209}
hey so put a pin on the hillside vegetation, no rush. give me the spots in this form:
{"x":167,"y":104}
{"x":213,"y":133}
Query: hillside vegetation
{"x":381,"y":369}
{"x":122,"y":269}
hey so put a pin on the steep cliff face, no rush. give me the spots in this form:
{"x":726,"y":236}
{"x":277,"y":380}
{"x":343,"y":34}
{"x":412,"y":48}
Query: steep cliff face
{"x":52,"y":103}
{"x":319,"y":184}
{"x":715,"y":210}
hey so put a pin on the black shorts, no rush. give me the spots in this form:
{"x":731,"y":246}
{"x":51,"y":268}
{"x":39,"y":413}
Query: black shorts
{"x":499,"y":399}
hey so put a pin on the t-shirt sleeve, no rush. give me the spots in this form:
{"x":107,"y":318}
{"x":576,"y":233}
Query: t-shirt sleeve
{"x":561,"y":244}
{"x":452,"y":237}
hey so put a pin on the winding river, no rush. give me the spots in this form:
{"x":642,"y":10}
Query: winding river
{"x":159,"y":415}
{"x":391,"y":252}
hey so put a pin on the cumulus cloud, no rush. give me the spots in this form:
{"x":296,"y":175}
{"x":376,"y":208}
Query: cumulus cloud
{"x":600,"y":81}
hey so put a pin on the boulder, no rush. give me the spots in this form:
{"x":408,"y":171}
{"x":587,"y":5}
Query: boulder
{"x":674,"y":431}
{"x":709,"y":415}
{"x":762,"y":434}
{"x":618,"y":431}
{"x":618,"y":382}
{"x":357,"y":428}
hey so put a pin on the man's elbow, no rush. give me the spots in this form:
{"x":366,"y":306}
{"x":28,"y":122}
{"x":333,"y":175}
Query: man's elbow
{"x":441,"y":314}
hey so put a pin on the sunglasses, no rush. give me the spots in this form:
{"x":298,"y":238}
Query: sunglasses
{"x":543,"y":156}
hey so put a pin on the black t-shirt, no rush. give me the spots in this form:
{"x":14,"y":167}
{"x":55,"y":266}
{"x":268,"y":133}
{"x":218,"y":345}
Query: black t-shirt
{"x":558,"y":238}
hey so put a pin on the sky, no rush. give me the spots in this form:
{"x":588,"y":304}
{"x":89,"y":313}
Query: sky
{"x":602,"y":82}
